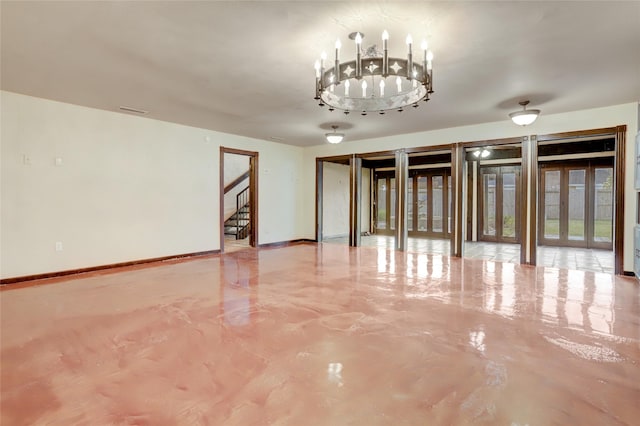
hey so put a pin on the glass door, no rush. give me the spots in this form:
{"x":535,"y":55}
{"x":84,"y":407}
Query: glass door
{"x":429,"y":205}
{"x":499,"y":204}
{"x":384,"y":203}
{"x":576,"y":204}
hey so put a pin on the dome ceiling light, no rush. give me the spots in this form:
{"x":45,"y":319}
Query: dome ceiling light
{"x":526,"y":116}
{"x":334,"y":137}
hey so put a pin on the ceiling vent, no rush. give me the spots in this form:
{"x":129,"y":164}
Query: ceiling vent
{"x":133,"y":110}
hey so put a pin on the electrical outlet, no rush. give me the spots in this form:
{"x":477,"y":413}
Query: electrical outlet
{"x":58,"y":245}
{"x":26,"y":160}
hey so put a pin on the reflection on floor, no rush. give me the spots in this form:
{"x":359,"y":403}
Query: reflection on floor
{"x":492,"y":251}
{"x":554,"y":257}
{"x":232,"y":245}
{"x":323,"y":334}
{"x":576,"y":258}
{"x":417,"y":245}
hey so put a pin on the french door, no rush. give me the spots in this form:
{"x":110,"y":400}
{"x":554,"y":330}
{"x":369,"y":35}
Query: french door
{"x":576,"y":204}
{"x":384,"y":207}
{"x":428,"y":203}
{"x":499,"y":204}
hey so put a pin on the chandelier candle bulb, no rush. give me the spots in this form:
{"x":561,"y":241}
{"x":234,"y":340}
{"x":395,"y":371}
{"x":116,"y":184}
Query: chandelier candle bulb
{"x":399,"y":84}
{"x":385,"y":57}
{"x":337,"y":65}
{"x":346,"y":88}
{"x":409,"y":58}
{"x":381,"y":88}
{"x":323,"y":56}
{"x":364,"y":88}
{"x":424,"y":47}
{"x":430,"y":71}
{"x":318,"y":89}
{"x":358,"y":41}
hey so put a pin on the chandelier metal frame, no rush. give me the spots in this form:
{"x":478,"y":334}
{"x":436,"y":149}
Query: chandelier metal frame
{"x":371,"y":72}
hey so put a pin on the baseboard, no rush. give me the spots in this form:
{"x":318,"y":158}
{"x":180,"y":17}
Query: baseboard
{"x":628,"y":273}
{"x":286,"y":243}
{"x":58,"y":274}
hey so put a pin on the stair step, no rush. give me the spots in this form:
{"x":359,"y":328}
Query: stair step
{"x":234,"y":222}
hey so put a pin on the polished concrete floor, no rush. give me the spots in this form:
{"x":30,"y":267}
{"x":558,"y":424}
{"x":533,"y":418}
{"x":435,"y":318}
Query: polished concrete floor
{"x":231,"y":244}
{"x":323,"y":334}
{"x":555,"y":257}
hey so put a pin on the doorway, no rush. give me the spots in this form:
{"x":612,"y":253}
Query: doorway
{"x":582,"y":173}
{"x":494,"y":204}
{"x":240,"y":194}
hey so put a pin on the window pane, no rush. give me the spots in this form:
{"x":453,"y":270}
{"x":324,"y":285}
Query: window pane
{"x":392,"y":213}
{"x":489,"y":204}
{"x":577,"y":204}
{"x":509,"y":205}
{"x":437,"y":185}
{"x":603,"y":206}
{"x":382,"y":204}
{"x":422,"y":203}
{"x":552,"y":204}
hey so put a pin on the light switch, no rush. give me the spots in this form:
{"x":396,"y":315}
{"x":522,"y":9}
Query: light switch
{"x":58,"y":161}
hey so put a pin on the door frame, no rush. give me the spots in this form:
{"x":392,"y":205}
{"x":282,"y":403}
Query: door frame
{"x":253,"y":194}
{"x":618,"y":133}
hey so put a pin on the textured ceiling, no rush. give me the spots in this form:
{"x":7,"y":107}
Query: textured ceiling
{"x":247,"y":67}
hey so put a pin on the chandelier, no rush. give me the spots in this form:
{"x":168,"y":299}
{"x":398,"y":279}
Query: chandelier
{"x":374,"y":82}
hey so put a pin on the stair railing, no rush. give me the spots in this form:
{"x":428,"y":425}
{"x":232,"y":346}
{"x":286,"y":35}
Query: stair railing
{"x":242,"y":201}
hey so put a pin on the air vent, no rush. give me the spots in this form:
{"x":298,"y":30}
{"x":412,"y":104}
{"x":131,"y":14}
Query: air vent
{"x":133,"y":110}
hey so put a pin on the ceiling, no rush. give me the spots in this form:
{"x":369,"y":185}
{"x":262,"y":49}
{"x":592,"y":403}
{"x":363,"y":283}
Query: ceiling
{"x":246,"y":68}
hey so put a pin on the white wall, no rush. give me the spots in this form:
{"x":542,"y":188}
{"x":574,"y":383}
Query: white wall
{"x":335,"y":200}
{"x":336,"y":197}
{"x":235,"y":165}
{"x":133,"y":188}
{"x":128,"y":188}
{"x":572,"y":121}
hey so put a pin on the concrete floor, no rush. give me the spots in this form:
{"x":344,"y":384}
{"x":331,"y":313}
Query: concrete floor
{"x":323,"y":334}
{"x":231,"y":244}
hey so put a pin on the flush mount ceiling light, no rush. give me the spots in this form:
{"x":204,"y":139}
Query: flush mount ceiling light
{"x":526,"y":116}
{"x":334,"y":137}
{"x":373,"y":81}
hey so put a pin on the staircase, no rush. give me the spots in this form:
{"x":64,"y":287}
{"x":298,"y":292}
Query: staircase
{"x":239,"y":223}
